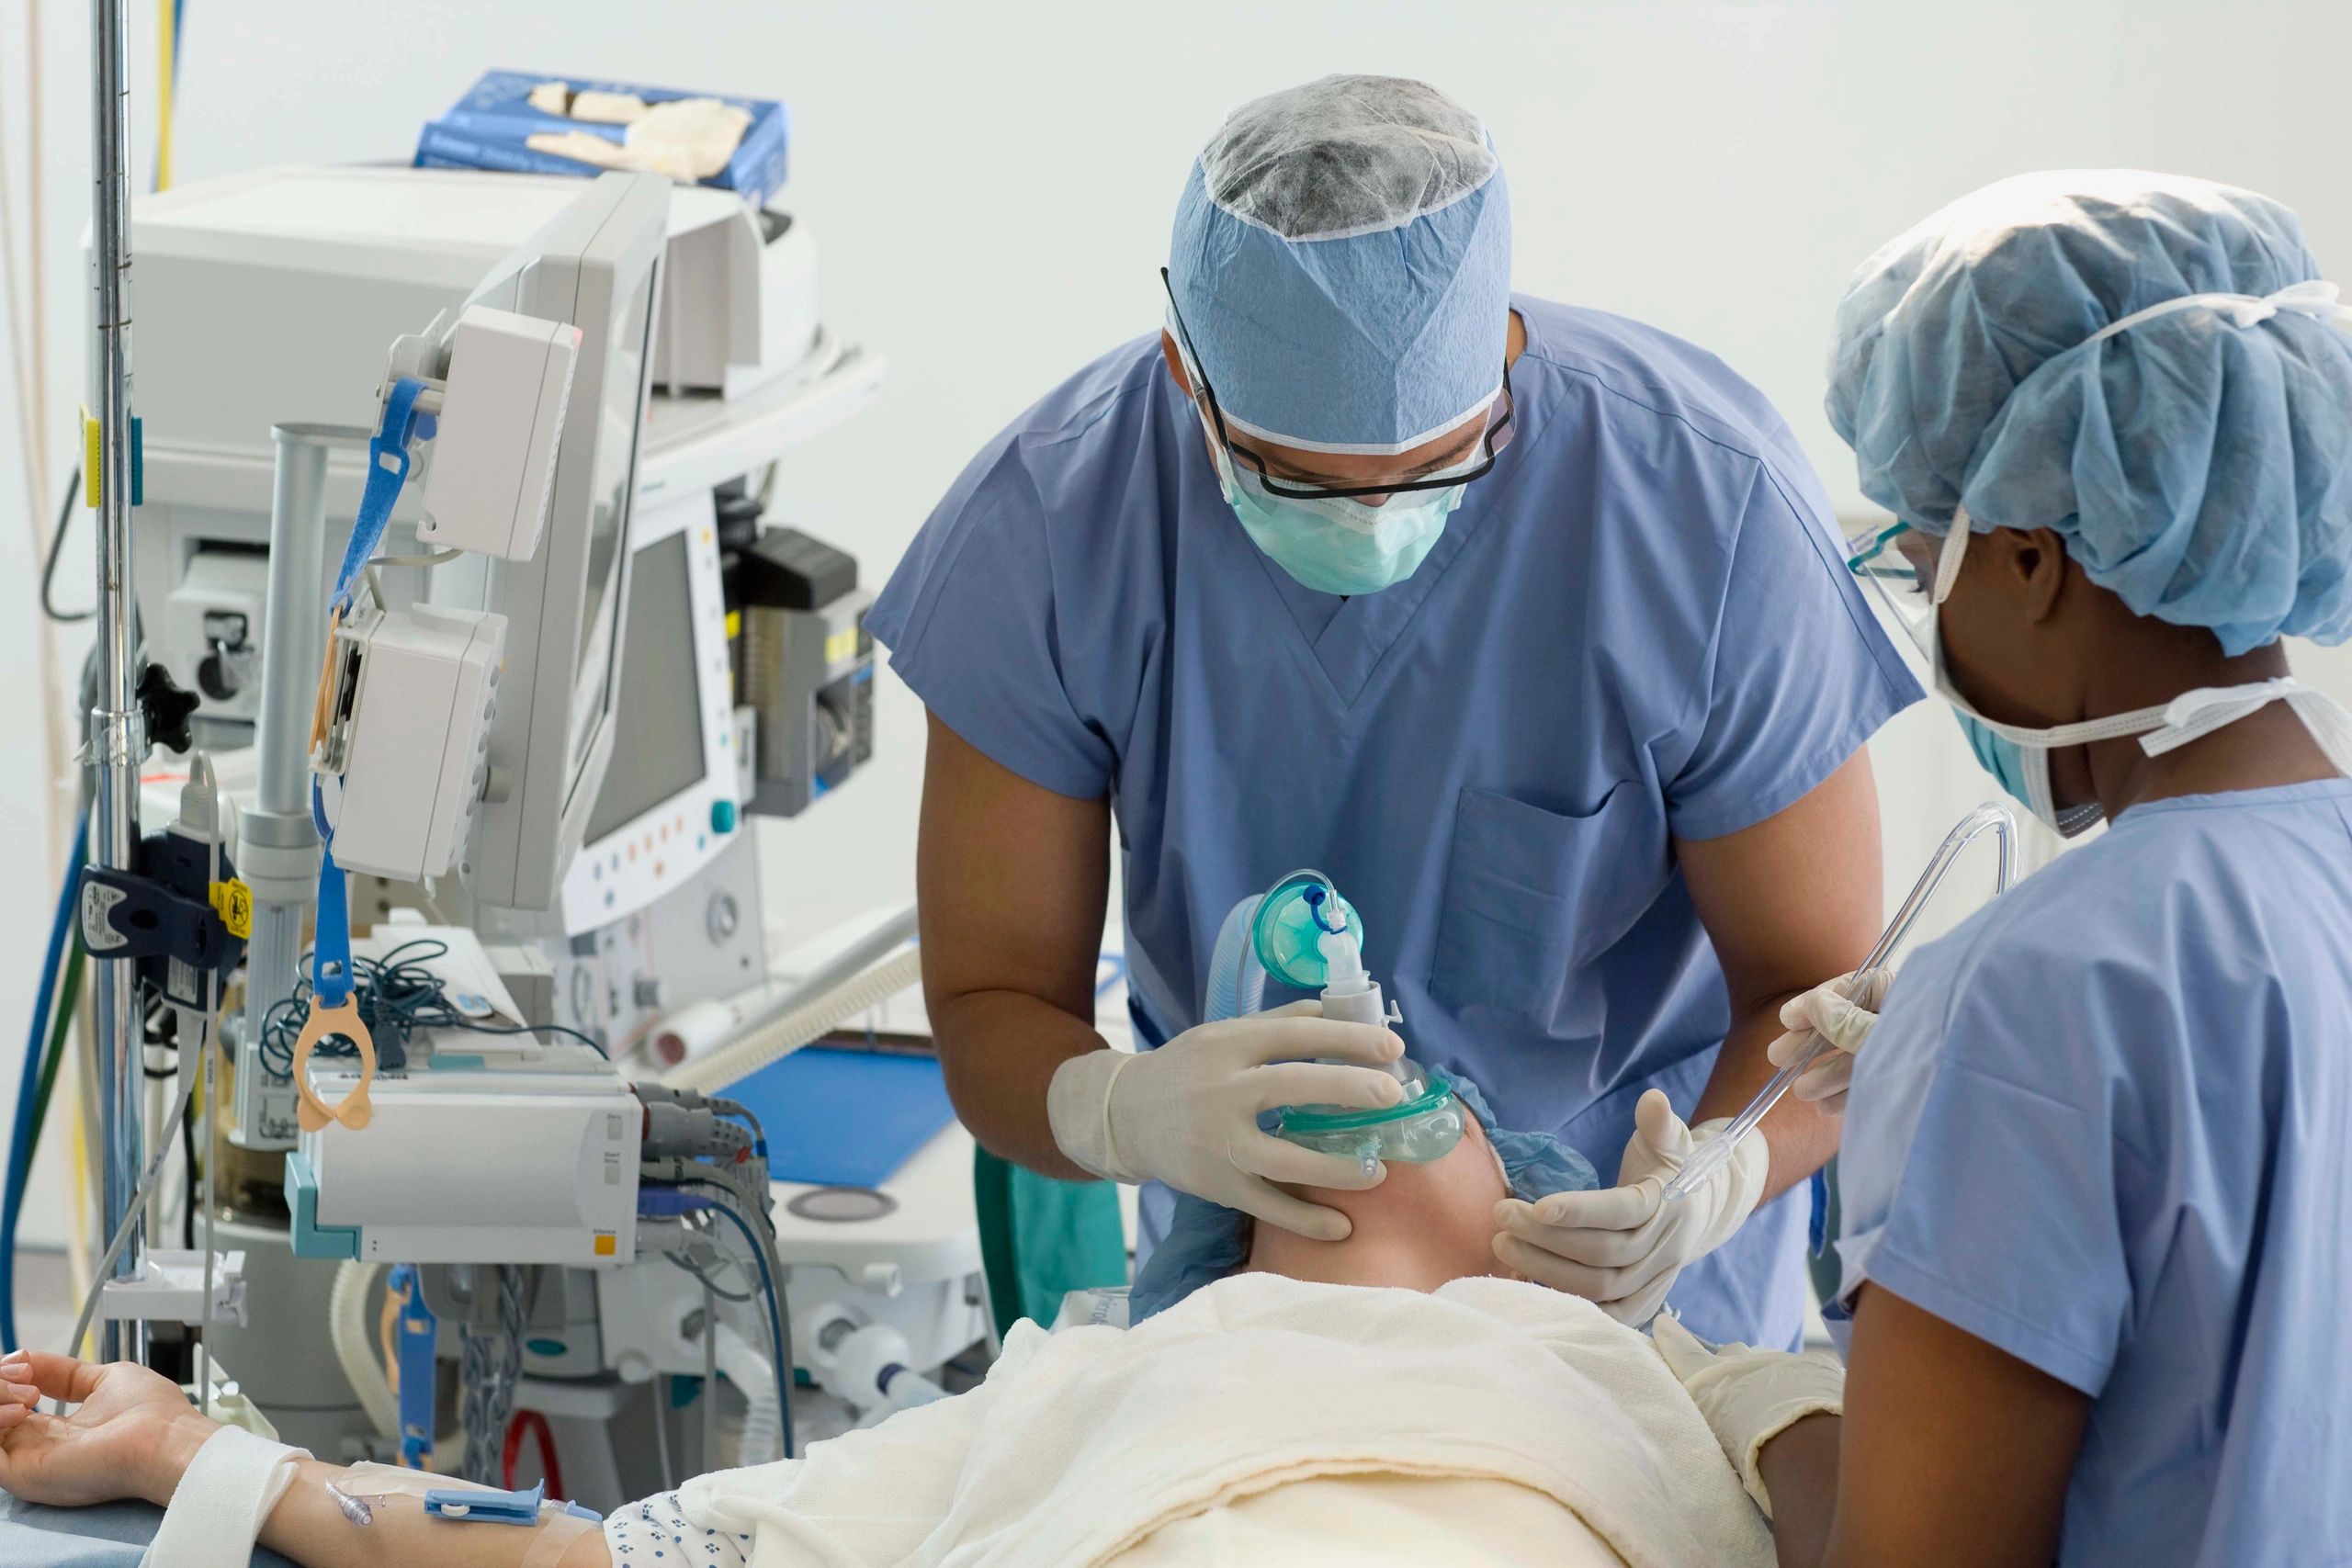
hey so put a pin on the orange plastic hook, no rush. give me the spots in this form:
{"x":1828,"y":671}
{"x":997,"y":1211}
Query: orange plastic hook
{"x":353,"y":1110}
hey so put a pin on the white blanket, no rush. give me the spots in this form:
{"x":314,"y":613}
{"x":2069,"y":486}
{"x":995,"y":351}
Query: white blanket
{"x":1081,"y":1445}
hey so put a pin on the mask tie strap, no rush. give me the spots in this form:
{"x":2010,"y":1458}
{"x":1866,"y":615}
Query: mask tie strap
{"x":2192,"y":716}
{"x":1948,"y":559}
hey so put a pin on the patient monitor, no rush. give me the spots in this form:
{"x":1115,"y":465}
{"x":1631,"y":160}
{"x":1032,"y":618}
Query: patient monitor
{"x":597,"y":267}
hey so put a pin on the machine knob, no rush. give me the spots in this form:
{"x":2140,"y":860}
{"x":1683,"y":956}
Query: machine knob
{"x":722,"y":816}
{"x":167,"y":708}
{"x":722,"y":918}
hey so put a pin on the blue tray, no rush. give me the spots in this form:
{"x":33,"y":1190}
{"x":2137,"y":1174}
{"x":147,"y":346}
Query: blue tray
{"x":845,"y":1118}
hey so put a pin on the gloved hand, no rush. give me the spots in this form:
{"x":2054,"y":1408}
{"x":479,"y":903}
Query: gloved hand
{"x":1749,"y":1396}
{"x":1842,"y":1012}
{"x":1187,"y":1114}
{"x":1622,"y":1246}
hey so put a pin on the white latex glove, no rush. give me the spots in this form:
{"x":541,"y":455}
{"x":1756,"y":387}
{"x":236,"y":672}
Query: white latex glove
{"x":1187,"y":1114}
{"x":1622,"y":1247}
{"x":1843,"y":1011}
{"x":686,"y":139}
{"x":1749,"y":1396}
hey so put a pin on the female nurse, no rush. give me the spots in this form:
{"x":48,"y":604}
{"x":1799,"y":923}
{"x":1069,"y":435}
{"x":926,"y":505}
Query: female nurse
{"x":2095,"y":1182}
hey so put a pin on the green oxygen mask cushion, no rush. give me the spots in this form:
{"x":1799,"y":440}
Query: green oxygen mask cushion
{"x":1422,"y":1126}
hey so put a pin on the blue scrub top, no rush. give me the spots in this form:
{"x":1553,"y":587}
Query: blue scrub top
{"x":1638,"y":627}
{"x":2102,"y":1126}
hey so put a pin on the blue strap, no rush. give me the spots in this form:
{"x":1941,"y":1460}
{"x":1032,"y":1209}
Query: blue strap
{"x":387,"y":467}
{"x":415,"y":1353}
{"x":331,"y":947}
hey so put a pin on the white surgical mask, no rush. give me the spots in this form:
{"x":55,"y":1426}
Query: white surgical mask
{"x":2020,"y":756}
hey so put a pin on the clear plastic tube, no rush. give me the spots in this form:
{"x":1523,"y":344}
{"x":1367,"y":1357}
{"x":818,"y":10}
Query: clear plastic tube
{"x":1237,"y":980}
{"x":1712,"y":1155}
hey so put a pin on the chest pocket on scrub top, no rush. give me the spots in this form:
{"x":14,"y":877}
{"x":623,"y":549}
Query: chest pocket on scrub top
{"x":1532,"y":897}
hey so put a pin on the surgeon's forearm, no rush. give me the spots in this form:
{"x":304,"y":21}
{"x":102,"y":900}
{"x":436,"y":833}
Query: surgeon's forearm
{"x":1798,"y":1135}
{"x":1800,"y":1471}
{"x":308,"y":1528}
{"x":999,"y":1050}
{"x":1788,"y":903}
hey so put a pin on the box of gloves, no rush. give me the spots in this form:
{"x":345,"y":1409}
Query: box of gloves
{"x":526,"y":123}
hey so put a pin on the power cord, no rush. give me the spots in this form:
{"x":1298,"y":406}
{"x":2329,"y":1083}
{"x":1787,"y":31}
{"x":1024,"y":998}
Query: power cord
{"x":56,"y":546}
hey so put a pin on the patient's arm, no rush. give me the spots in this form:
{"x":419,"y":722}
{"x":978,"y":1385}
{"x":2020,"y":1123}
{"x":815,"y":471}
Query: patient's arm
{"x":1423,"y":1225}
{"x":132,"y":1434}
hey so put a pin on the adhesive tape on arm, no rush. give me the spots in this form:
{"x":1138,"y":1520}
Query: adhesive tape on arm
{"x":217,"y":1510}
{"x":556,"y":1538}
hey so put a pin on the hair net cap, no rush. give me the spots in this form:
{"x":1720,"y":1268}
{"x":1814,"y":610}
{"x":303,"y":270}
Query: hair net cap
{"x":1341,"y":259}
{"x":2198,"y":462}
{"x":1207,"y":1241}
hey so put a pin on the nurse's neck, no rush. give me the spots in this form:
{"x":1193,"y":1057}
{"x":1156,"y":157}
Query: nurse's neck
{"x":2146,"y":663}
{"x":2033,"y":641}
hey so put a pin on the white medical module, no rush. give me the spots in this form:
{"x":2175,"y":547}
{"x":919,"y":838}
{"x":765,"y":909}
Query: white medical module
{"x":408,"y":734}
{"x":493,"y":464}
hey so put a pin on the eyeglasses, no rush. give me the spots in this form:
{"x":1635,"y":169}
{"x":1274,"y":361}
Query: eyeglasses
{"x":1871,"y":554}
{"x":1866,"y":553}
{"x":1497,"y":437}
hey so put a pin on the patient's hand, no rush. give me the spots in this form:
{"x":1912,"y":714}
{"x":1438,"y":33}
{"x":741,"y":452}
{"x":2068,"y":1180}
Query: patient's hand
{"x":131,"y":1434}
{"x":1424,"y":1226}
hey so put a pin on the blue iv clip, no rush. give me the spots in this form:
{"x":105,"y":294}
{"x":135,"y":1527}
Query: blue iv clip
{"x":496,"y":1508}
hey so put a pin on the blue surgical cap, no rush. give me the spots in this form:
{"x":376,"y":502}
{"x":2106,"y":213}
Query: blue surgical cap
{"x":1207,"y":1241}
{"x":2197,"y":463}
{"x":1341,"y":260}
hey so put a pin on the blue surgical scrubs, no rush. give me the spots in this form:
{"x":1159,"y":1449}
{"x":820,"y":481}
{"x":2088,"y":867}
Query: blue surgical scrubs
{"x":2103,"y":1126}
{"x":1638,"y":628}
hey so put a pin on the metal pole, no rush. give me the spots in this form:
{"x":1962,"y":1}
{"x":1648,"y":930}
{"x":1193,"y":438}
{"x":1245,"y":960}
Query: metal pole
{"x":279,"y":854}
{"x":117,"y":733}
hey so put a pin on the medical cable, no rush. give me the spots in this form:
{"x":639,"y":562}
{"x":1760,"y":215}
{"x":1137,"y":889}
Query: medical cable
{"x":710,"y":1287}
{"x":771,"y":1284}
{"x":1712,"y":1154}
{"x":20,"y":1142}
{"x":60,"y":1026}
{"x":56,"y":548}
{"x":137,"y":1210}
{"x":710,"y":1374}
{"x":491,"y":1366}
{"x":201,"y":1083}
{"x":397,"y":995}
{"x":660,"y":1436}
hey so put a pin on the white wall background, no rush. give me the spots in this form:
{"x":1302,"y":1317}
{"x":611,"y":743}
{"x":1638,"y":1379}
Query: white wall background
{"x":990,"y":187}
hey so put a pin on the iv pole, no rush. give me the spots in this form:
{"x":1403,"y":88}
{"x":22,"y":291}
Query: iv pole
{"x":118,"y":731}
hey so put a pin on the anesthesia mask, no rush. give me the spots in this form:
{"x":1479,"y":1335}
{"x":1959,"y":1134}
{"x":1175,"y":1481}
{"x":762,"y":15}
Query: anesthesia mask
{"x":1304,"y":934}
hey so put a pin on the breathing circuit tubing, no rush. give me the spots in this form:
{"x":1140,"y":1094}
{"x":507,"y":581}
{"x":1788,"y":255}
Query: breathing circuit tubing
{"x":1711,"y":1155}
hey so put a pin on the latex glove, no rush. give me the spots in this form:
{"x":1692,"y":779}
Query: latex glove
{"x":1843,"y":1011}
{"x":1623,"y":1246}
{"x":1749,"y":1396}
{"x":1187,"y":1114}
{"x":131,"y":1432}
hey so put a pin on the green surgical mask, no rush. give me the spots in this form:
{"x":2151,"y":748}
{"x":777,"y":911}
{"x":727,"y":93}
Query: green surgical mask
{"x":1338,"y":544}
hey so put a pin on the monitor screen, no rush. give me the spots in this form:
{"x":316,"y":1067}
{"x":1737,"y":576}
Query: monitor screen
{"x":615,"y":462}
{"x":657,"y":748}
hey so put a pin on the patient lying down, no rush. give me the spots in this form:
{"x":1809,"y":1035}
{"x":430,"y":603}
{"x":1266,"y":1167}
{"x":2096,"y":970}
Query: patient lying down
{"x":1385,"y":1397}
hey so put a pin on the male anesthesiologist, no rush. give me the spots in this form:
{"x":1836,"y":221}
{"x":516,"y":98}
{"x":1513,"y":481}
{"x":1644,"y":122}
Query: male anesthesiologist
{"x":1526,"y":624}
